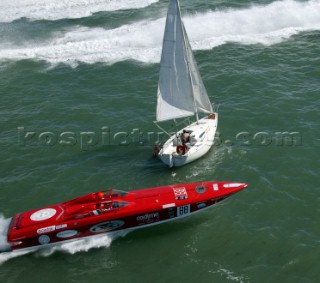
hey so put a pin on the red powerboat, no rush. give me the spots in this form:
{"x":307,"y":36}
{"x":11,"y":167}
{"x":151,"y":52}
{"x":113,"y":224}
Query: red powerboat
{"x":113,"y":211}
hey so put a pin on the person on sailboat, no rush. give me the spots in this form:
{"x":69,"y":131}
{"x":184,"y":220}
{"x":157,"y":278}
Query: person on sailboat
{"x":185,"y":137}
{"x":185,"y":145}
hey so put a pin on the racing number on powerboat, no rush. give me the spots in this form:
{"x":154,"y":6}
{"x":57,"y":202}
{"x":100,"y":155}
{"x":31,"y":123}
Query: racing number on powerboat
{"x":183,"y":210}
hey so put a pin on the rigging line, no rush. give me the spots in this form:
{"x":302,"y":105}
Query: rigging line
{"x":156,"y":123}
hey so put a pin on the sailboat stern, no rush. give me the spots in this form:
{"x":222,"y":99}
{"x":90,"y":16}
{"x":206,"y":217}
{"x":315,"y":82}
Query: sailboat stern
{"x":170,"y":157}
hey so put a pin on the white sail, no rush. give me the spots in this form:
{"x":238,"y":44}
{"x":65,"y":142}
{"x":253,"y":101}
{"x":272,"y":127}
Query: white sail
{"x":180,"y":89}
{"x":200,"y":95}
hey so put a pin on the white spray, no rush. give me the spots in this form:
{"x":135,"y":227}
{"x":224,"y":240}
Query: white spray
{"x":11,"y":10}
{"x":4,"y":225}
{"x":80,"y":245}
{"x":142,"y":41}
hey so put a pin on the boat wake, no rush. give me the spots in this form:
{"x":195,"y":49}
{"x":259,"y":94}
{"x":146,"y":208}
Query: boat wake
{"x":4,"y":225}
{"x":11,"y":10}
{"x":208,"y":164}
{"x":141,"y":41}
{"x":80,"y":245}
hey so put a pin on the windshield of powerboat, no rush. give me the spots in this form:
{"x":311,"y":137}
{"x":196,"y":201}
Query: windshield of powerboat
{"x":118,"y":193}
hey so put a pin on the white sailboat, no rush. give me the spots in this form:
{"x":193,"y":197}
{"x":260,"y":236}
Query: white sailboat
{"x":181,"y":93}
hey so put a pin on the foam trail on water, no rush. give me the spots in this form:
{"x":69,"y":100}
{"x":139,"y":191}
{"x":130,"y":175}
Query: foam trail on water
{"x":4,"y":225}
{"x":142,"y":41}
{"x":267,"y":25}
{"x":11,"y":10}
{"x":73,"y":247}
{"x":6,"y":256}
{"x":81,"y":245}
{"x":139,"y":41}
{"x":84,"y":244}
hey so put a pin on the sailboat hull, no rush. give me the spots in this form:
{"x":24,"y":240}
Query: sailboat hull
{"x":201,"y":140}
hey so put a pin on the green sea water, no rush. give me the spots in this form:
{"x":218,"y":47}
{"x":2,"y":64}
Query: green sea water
{"x":78,"y":100}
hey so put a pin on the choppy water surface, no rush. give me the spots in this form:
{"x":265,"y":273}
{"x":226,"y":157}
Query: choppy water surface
{"x":72,"y":67}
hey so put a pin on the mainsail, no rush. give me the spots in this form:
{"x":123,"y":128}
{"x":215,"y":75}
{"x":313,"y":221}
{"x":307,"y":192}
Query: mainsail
{"x":181,"y":92}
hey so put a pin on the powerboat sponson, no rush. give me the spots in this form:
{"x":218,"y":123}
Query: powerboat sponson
{"x":113,"y":211}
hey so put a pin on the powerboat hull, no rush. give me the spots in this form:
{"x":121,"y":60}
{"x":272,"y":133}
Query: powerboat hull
{"x":112,"y":212}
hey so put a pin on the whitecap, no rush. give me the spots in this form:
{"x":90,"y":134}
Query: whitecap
{"x":142,"y":41}
{"x":11,"y":10}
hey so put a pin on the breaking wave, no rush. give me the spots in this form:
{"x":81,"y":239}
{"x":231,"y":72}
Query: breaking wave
{"x":11,"y":10}
{"x":141,"y":41}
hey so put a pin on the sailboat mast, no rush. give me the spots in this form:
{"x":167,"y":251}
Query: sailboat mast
{"x":187,"y":60}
